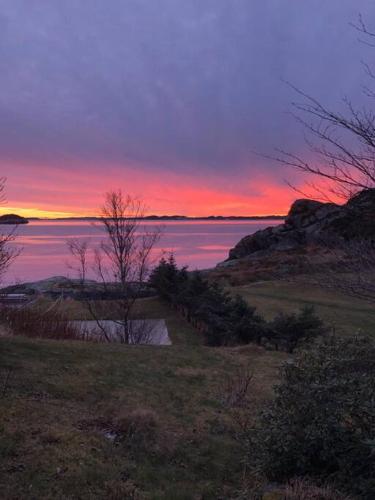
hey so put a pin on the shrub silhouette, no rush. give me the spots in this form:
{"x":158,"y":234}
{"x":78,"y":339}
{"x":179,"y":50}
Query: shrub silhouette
{"x":226,"y":320}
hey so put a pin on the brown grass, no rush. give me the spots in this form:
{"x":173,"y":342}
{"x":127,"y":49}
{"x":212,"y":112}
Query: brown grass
{"x":35,"y":323}
{"x":138,"y":427}
{"x":300,"y":489}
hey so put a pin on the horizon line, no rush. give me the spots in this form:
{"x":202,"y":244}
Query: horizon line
{"x":148,"y":217}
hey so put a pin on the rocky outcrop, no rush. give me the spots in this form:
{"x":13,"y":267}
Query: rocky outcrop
{"x":313,"y":223}
{"x":12,"y":219}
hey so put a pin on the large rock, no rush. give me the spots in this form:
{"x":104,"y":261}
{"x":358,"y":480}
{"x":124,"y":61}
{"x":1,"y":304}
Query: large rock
{"x":313,"y":223}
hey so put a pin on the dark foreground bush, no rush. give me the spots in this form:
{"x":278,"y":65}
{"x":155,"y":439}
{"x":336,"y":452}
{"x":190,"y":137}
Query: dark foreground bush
{"x":322,"y":421}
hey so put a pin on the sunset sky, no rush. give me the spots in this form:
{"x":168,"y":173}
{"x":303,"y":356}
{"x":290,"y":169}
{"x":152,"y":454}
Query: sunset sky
{"x":167,"y":99}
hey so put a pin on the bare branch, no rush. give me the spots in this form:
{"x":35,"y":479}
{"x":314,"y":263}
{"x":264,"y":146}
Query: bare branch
{"x":2,"y":190}
{"x":78,"y":249}
{"x":7,"y":251}
{"x":121,"y":262}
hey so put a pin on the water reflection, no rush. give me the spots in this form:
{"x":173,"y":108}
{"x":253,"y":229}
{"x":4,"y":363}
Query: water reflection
{"x":198,"y":245}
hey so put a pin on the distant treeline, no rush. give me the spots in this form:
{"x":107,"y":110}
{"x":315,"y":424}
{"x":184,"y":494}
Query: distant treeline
{"x":227,"y":320}
{"x":178,"y":218}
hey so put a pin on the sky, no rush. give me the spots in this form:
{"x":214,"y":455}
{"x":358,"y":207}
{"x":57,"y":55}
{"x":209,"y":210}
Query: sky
{"x":173,"y":101}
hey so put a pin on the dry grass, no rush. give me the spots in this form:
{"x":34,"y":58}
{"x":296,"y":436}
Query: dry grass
{"x":36,"y":323}
{"x":300,"y":489}
{"x":136,"y":428}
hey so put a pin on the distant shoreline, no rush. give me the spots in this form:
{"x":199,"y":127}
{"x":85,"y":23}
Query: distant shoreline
{"x":178,"y":218}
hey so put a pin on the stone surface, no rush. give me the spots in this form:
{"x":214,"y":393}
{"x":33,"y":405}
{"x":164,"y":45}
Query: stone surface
{"x":312,"y":222}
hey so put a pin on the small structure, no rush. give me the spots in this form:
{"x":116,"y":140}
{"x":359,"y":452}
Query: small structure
{"x":141,"y":331}
{"x":13,"y":298}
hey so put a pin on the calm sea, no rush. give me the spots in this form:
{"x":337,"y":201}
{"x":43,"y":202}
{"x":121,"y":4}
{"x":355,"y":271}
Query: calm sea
{"x":198,"y":245}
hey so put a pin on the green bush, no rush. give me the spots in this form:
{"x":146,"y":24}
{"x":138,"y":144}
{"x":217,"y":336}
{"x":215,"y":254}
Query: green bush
{"x":223,"y":319}
{"x":321,"y":423}
{"x":168,"y":279}
{"x":248,"y":325}
{"x":290,"y":330}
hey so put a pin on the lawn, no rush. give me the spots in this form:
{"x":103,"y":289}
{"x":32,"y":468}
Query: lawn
{"x":347,"y":315}
{"x":84,"y":420}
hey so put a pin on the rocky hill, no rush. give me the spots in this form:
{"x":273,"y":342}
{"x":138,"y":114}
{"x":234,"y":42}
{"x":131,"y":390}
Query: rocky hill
{"x":12,"y":219}
{"x":312,"y":222}
{"x":303,"y":242}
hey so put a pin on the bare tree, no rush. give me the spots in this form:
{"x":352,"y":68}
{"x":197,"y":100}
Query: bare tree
{"x":350,"y":268}
{"x":7,"y":252}
{"x":2,"y":189}
{"x":121,"y":264}
{"x":342,"y":144}
{"x":79,"y":249}
{"x":343,"y":160}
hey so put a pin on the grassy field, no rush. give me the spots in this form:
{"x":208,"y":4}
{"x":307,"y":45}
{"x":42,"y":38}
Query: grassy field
{"x":345,"y":314}
{"x":83,"y":420}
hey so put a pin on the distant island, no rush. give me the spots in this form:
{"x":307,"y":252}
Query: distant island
{"x":12,"y":219}
{"x":174,"y":218}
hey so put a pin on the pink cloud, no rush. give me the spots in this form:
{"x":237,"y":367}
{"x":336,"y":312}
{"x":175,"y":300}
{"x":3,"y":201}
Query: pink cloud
{"x":41,"y":190}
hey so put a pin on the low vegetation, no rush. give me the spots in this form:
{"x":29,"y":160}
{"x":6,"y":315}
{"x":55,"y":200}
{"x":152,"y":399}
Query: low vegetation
{"x":290,"y":330}
{"x":36,"y":322}
{"x":322,"y":420}
{"x":300,"y":489}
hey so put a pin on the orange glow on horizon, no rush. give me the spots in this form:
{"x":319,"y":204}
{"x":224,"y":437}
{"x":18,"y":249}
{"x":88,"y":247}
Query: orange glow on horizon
{"x":36,"y":212}
{"x":55,"y":193}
